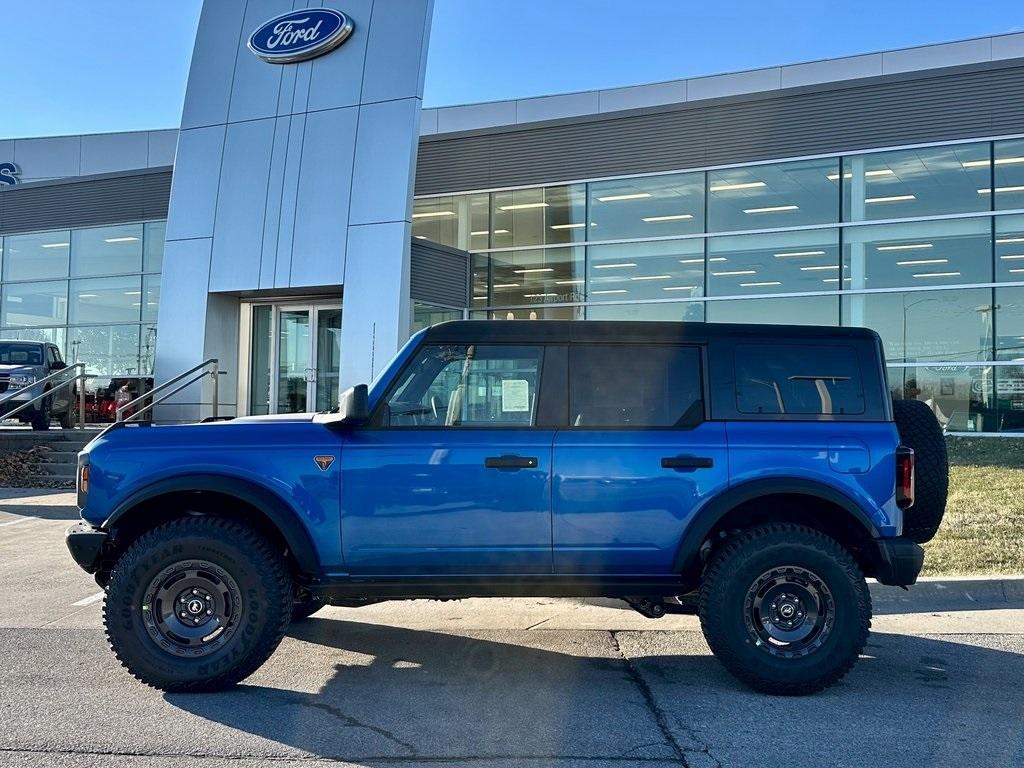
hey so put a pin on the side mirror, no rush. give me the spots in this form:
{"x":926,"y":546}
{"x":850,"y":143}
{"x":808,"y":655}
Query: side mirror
{"x":353,"y":405}
{"x":58,"y":366}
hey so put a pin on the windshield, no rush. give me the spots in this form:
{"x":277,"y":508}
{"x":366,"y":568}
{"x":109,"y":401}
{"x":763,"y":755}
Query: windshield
{"x":21,"y":354}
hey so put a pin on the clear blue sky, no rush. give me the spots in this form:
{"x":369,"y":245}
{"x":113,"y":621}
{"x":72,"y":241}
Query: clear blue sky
{"x":83,"y":66}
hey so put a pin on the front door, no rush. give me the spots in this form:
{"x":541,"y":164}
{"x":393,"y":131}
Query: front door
{"x":300,"y":346}
{"x":636,"y":460}
{"x":452,"y":476}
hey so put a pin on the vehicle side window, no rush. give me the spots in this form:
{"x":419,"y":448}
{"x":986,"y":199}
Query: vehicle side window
{"x":467,"y":385}
{"x":54,"y":355}
{"x":634,"y":386}
{"x":798,"y":379}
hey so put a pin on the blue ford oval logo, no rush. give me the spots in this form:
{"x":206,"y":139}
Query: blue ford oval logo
{"x":8,"y":174}
{"x":300,"y":35}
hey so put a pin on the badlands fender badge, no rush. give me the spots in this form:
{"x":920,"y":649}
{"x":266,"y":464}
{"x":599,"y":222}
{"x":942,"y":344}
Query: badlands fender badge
{"x":324,"y":462}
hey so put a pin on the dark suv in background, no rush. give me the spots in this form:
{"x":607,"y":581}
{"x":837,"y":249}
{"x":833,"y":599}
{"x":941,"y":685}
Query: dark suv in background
{"x":22,"y":364}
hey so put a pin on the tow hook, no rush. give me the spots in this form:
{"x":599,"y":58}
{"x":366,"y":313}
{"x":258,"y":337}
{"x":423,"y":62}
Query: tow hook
{"x":652,"y":608}
{"x":656,"y":607}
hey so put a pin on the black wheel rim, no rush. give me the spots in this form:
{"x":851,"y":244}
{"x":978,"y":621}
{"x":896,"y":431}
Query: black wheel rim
{"x":789,"y":611}
{"x":192,"y":608}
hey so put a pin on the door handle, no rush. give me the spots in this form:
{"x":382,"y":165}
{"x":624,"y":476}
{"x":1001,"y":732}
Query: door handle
{"x":510,"y":461}
{"x":683,"y":463}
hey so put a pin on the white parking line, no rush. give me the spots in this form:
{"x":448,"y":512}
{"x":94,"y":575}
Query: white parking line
{"x":19,"y":520}
{"x":89,"y":600}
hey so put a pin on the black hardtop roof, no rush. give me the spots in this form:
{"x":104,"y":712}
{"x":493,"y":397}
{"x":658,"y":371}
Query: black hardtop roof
{"x":27,"y":341}
{"x":629,"y":331}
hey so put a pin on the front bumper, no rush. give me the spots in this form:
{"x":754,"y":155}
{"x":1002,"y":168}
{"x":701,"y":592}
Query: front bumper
{"x":899,"y":561}
{"x":20,"y":399}
{"x":86,"y":545}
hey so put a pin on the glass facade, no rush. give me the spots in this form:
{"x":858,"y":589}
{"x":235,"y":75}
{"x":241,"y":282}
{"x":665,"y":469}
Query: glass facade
{"x":779,"y":195}
{"x":925,"y":245}
{"x":917,"y":182}
{"x":93,"y":291}
{"x":425,"y":315}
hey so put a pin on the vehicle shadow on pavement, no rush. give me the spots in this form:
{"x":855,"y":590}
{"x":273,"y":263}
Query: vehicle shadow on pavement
{"x":42,"y":511}
{"x":978,"y":595}
{"x":348,"y":691}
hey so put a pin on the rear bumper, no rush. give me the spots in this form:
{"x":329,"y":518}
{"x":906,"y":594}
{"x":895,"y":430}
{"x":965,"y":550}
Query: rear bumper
{"x":899,"y":561}
{"x":86,"y":545}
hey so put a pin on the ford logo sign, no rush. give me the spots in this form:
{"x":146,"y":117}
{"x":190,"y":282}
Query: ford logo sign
{"x":300,"y":35}
{"x":8,"y":174}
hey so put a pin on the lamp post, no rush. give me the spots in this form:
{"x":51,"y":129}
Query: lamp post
{"x":987,"y":311}
{"x":906,"y":308}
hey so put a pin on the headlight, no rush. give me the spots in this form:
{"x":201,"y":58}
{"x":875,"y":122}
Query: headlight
{"x":21,"y":380}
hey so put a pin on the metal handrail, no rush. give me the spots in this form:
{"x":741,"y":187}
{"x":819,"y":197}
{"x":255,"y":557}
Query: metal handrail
{"x":206,"y":368}
{"x":80,"y":376}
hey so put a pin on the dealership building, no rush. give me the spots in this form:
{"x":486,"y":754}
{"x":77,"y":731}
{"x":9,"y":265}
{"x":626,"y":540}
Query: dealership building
{"x":308,"y":216}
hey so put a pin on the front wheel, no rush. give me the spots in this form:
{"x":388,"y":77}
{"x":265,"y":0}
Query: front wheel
{"x":41,"y":418}
{"x":785,"y":609}
{"x":197,"y":604}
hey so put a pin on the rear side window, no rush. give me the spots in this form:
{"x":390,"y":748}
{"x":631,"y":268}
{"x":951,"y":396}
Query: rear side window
{"x":798,"y":379}
{"x":634,"y":386}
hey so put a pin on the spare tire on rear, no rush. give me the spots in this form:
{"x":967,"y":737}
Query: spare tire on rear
{"x":920,"y":430}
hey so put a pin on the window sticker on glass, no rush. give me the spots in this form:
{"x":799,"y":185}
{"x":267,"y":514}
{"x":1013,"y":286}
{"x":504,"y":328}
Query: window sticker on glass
{"x":515,"y":395}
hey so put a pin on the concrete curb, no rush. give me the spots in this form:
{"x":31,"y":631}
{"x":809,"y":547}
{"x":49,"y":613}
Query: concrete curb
{"x":950,"y":592}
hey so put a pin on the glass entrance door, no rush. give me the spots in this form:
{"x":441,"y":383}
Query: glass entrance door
{"x":295,"y":358}
{"x":327,"y":352}
{"x":294,"y":343}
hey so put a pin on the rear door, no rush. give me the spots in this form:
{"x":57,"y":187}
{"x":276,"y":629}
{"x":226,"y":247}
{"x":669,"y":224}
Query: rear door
{"x":808,"y":411}
{"x":455,"y":474}
{"x":636,"y":459}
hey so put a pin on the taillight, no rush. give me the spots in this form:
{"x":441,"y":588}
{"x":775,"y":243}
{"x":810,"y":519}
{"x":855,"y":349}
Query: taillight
{"x":904,"y":477}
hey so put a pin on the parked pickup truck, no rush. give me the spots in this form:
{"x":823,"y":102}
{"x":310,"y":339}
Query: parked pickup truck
{"x":753,"y":475}
{"x":22,"y":364}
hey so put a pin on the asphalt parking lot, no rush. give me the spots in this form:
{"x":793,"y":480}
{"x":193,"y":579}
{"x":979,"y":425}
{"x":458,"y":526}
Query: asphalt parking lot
{"x":499,"y":683}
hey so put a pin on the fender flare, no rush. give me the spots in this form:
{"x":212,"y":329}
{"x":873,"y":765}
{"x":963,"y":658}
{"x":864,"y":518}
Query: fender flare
{"x":709,"y":515}
{"x":277,"y":512}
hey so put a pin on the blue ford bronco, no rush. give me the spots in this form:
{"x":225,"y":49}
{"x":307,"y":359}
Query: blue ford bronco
{"x":752,"y":475}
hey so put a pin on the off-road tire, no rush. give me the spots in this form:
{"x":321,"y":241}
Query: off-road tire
{"x":41,"y":417}
{"x":733,"y":570}
{"x":263,"y":583}
{"x":920,"y":430}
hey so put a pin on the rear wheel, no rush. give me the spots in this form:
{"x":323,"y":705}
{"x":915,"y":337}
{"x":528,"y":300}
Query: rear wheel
{"x":197,"y":604}
{"x":920,"y":430}
{"x":67,"y":419}
{"x":785,"y":609}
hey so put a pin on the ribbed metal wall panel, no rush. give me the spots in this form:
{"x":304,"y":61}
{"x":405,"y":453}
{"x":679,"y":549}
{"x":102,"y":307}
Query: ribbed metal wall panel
{"x":439,"y":274}
{"x":85,"y":202}
{"x":906,"y":109}
{"x":953,"y":104}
